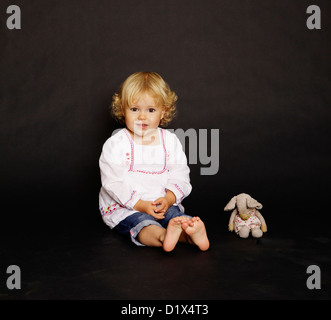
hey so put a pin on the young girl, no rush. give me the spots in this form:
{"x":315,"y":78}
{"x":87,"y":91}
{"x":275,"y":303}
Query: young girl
{"x":144,"y":170}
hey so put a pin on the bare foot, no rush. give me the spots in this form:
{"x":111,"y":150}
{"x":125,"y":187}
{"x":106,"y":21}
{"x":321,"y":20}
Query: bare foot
{"x":173,"y":233}
{"x":196,"y":230}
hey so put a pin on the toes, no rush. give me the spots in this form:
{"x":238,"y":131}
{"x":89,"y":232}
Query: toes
{"x":175,"y":220}
{"x":186,"y":222}
{"x":185,"y":225}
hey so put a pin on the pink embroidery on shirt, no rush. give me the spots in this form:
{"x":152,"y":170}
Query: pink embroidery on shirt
{"x":106,"y":211}
{"x":132,"y":149}
{"x":164,"y":169}
{"x":180,"y":190}
{"x":132,"y":194}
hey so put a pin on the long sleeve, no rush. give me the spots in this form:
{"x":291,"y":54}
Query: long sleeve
{"x":178,"y":174}
{"x":113,"y":174}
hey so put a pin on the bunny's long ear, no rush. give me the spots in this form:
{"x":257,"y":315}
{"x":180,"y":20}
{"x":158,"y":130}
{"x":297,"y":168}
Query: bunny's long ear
{"x":231,"y":205}
{"x":252,"y":203}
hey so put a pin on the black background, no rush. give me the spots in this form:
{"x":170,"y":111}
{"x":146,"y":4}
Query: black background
{"x":251,"y":69}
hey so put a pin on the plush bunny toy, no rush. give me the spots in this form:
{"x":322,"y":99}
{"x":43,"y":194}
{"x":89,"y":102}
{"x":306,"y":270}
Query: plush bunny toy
{"x":245,"y":217}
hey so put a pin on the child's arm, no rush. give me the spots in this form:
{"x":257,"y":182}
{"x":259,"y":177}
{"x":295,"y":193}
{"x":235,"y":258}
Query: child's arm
{"x":178,"y":173}
{"x":113,"y":175}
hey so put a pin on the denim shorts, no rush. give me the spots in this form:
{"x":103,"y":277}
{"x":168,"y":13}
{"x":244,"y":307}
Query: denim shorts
{"x":134,"y":223}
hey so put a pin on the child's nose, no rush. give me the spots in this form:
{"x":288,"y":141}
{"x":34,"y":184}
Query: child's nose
{"x":141,"y":116}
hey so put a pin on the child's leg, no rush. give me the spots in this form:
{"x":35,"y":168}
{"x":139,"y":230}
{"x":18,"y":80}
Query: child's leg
{"x":155,"y":236}
{"x":152,"y":236}
{"x":138,"y":221}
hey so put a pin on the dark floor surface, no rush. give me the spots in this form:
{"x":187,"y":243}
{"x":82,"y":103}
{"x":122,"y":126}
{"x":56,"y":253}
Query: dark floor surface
{"x":101,"y":264}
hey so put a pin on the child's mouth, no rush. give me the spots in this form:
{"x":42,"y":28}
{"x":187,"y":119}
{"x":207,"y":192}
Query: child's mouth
{"x":142,"y":125}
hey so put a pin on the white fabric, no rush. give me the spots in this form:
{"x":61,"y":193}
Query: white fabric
{"x":130,"y":172}
{"x":252,"y":222}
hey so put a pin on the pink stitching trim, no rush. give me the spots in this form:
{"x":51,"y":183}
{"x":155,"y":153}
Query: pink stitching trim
{"x":132,"y":194}
{"x":180,"y":190}
{"x":132,"y":156}
{"x":132,"y":149}
{"x":106,"y":211}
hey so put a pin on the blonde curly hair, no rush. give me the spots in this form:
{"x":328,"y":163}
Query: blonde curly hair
{"x":141,"y":82}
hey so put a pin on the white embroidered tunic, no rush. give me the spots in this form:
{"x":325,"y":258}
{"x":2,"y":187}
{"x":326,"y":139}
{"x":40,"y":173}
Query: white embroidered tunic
{"x":130,"y":171}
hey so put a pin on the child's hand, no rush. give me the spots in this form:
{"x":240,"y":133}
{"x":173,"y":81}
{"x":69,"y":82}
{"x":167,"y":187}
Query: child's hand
{"x":150,"y":208}
{"x":164,"y":203}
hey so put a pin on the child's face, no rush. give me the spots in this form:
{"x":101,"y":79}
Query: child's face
{"x":143,"y":116}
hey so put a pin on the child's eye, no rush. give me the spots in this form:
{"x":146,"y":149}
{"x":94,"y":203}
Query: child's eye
{"x":134,"y":109}
{"x":151,"y":110}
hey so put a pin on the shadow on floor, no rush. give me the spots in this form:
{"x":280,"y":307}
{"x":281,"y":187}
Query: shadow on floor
{"x":104,"y":265}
